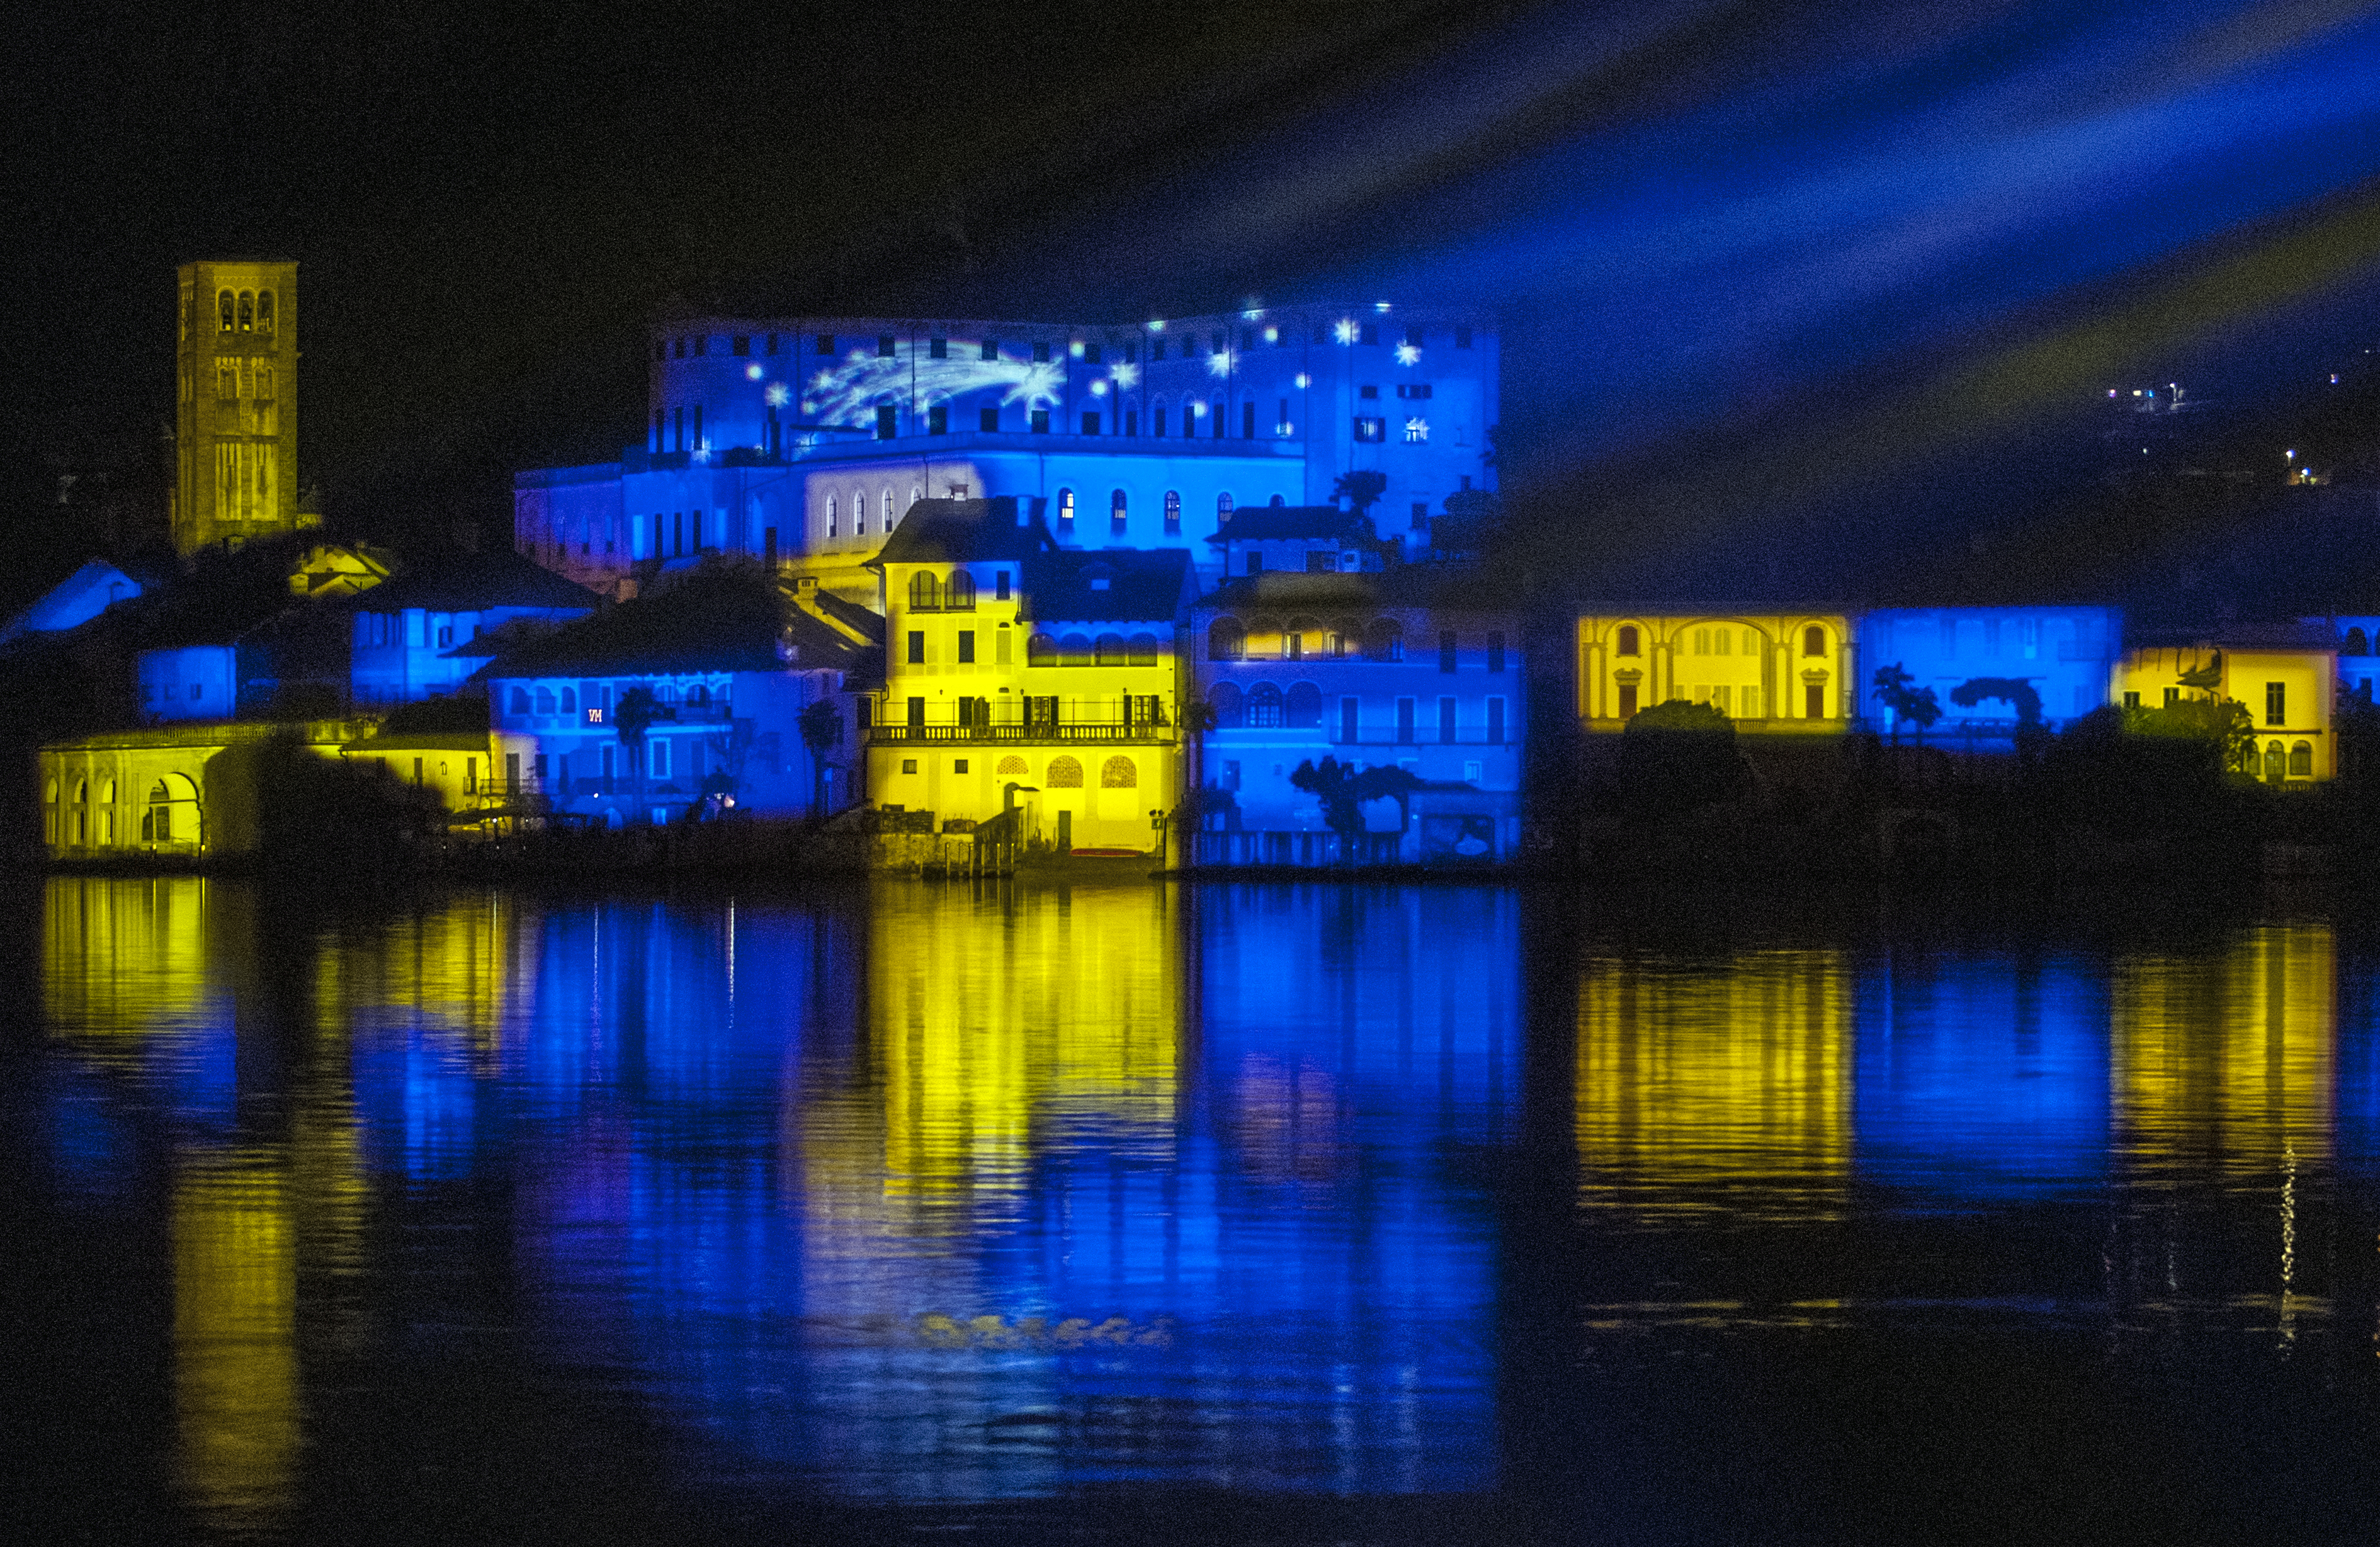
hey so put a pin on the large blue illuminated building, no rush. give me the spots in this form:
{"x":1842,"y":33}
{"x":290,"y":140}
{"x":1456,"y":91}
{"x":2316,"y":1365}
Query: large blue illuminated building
{"x":809,"y":437}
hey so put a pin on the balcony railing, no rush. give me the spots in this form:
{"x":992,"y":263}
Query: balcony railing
{"x":1112,"y":734}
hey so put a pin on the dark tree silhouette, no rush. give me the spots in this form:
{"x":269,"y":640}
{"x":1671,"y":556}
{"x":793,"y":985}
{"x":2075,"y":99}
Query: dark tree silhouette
{"x":1361,"y":489}
{"x":1344,"y":790}
{"x":632,"y":717}
{"x":821,"y":725}
{"x":2015,"y":691}
{"x":1906,"y":702}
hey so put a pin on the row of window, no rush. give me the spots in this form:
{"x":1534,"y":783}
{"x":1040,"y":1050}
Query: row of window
{"x":244,"y":312}
{"x":1063,"y":773}
{"x":1263,"y":706}
{"x":1304,"y":638}
{"x":1090,"y":351}
{"x":1041,"y":649}
{"x":596,"y":698}
{"x":1628,"y":640}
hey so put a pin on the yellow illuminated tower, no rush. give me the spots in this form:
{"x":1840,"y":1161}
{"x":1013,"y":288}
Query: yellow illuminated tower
{"x":235,"y":423}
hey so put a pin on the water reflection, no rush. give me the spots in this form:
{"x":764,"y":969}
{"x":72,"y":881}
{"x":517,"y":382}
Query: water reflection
{"x":928,"y":1193}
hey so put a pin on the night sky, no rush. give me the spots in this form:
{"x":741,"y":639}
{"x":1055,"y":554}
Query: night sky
{"x":1818,"y":278}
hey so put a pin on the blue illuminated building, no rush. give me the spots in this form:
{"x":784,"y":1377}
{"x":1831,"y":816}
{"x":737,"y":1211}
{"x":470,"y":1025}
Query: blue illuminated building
{"x":2066,"y":654}
{"x":809,"y":438}
{"x":424,"y":632}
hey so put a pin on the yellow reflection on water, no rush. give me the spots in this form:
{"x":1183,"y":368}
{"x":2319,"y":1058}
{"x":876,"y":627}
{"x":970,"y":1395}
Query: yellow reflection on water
{"x":2228,"y":1057}
{"x":234,"y":1336}
{"x":118,"y":954}
{"x":461,"y":962}
{"x":1710,"y":1089}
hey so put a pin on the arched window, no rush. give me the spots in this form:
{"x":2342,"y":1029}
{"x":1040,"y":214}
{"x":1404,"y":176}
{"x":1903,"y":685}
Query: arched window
{"x":1111,"y":650}
{"x":2355,"y":644}
{"x":1142,"y":649}
{"x":1223,"y":505}
{"x":1303,"y":708}
{"x":107,"y":793}
{"x":1627,"y":643}
{"x":1074,"y":651}
{"x":1174,"y":513}
{"x":570,"y":700}
{"x":2301,"y":760}
{"x":1264,"y":707}
{"x":265,"y":311}
{"x":1277,"y":501}
{"x":1013,"y":767}
{"x":829,"y":515}
{"x":1226,"y":640}
{"x":82,"y":792}
{"x":925,"y":592}
{"x":1115,"y":511}
{"x":1814,"y":641}
{"x":959,"y":595}
{"x":1118,"y":772}
{"x":1040,"y":650}
{"x":545,"y":700}
{"x":2275,"y":763}
{"x":228,"y":304}
{"x":1299,"y":637}
{"x":246,"y":312}
{"x":1065,"y":511}
{"x":699,"y":694}
{"x":520,"y":701}
{"x":1230,"y":706}
{"x":859,"y":513}
{"x":1384,"y":642}
{"x":1064,"y":774}
{"x":887,"y":517}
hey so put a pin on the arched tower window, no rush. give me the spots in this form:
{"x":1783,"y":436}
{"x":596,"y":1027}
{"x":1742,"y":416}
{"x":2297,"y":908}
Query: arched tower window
{"x":265,"y":311}
{"x":1628,"y":641}
{"x":246,"y":312}
{"x":228,"y":304}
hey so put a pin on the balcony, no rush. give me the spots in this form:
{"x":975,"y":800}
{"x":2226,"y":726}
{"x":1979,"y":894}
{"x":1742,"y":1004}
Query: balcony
{"x":1141,"y":733}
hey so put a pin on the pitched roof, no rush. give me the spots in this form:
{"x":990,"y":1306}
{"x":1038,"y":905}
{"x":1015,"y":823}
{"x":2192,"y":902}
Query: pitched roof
{"x":1141,"y":585}
{"x":475,"y":582}
{"x":966,"y":532}
{"x":730,"y":621}
{"x":1274,"y":523}
{"x":863,"y":621}
{"x":1465,"y":587}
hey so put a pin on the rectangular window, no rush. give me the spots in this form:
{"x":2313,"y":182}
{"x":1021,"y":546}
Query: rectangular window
{"x":938,"y":420}
{"x":1496,"y":715}
{"x":701,"y":345}
{"x":2131,"y":701}
{"x":1347,"y":720}
{"x":1404,"y":722}
{"x":1368,"y":393}
{"x":1814,"y":701}
{"x":966,"y":647}
{"x":660,"y":757}
{"x":826,"y":343}
{"x":2172,"y":697}
{"x":1000,"y":585}
{"x":1157,"y":422}
{"x":1040,"y":422}
{"x":1495,"y":651}
{"x":908,"y":765}
{"x":888,"y":422}
{"x":1091,"y":424}
{"x":1627,"y":699}
{"x":938,"y":348}
{"x":1132,"y":421}
{"x":916,"y":647}
{"x":992,"y":348}
{"x":1091,"y":353}
{"x":1420,"y":514}
{"x":1247,"y":422}
{"x":1446,"y":650}
{"x":1369,"y":429}
{"x":1321,"y":561}
{"x":918,"y":713}
{"x":1446,"y":719}
{"x":1231,"y":775}
{"x":883,"y":345}
{"x":2277,"y":703}
{"x":1040,"y":354}
{"x":1751,"y":703}
{"x":958,"y":765}
{"x":1001,"y":648}
{"x":987,"y":419}
{"x":742,"y":344}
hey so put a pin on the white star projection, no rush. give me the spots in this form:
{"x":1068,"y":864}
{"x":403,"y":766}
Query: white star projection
{"x":777,"y":395}
{"x":846,"y":393}
{"x":1344,"y":330}
{"x":1219,"y":363}
{"x":1123,"y":373}
{"x":1408,"y":354}
{"x":1304,"y":381}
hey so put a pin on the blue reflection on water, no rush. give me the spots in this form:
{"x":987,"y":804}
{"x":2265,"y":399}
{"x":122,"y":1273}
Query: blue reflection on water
{"x":1981,"y":1078}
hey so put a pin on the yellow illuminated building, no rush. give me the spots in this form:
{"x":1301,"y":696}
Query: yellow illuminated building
{"x":2286,"y":677}
{"x":1724,"y":1089}
{"x":190,"y":791}
{"x":235,"y":420}
{"x":1792,"y":674}
{"x":1019,"y":674}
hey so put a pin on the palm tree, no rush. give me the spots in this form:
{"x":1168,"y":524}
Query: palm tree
{"x":821,"y":725}
{"x":632,"y":717}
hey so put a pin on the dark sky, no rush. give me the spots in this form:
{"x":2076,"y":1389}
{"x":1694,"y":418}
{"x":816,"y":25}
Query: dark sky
{"x":1751,"y":255}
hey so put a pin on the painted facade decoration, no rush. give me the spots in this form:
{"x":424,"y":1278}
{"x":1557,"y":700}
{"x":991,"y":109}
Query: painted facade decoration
{"x":1415,"y":667}
{"x":2063,"y":653}
{"x":1023,"y":677}
{"x":2286,"y":675}
{"x":1771,"y":673}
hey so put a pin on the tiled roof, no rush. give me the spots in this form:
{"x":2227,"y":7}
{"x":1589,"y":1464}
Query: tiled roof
{"x":1469,"y":588}
{"x":966,"y":532}
{"x":475,"y":582}
{"x":1141,"y":585}
{"x":1274,"y":523}
{"x":708,"y":622}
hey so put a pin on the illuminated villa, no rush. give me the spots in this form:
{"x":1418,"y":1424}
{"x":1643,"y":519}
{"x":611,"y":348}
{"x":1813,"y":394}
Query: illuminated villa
{"x":806,"y":439}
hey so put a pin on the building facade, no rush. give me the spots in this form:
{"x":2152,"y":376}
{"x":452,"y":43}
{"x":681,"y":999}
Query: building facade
{"x":1022,"y":675}
{"x":236,"y":420}
{"x":2063,"y":654}
{"x":809,"y":437}
{"x":1771,"y":673}
{"x":1416,"y":667}
{"x":2284,"y":675}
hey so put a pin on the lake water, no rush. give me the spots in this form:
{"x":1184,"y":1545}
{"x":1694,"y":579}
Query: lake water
{"x":1216,"y":1212}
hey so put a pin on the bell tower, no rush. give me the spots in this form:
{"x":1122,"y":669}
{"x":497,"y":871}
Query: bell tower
{"x":236,"y":420}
